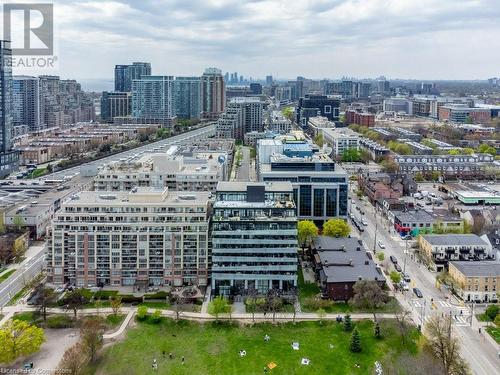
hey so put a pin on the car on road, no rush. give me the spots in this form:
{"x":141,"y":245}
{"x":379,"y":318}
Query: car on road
{"x":403,"y":286}
{"x":418,"y":293}
{"x":381,"y":245}
{"x":364,"y":222}
{"x":406,"y":277}
{"x":393,"y":259}
{"x":397,"y":267}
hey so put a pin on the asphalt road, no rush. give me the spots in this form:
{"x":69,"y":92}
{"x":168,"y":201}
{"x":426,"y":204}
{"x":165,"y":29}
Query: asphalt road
{"x":480,"y":354}
{"x":26,"y":271}
{"x":243,"y":172}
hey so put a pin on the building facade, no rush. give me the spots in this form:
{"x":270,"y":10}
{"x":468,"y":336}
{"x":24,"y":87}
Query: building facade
{"x":26,"y":102}
{"x":152,"y":98}
{"x":317,"y":105}
{"x":125,"y":75}
{"x":213,"y":93}
{"x":254,"y":238}
{"x":115,"y":104}
{"x":476,"y":281}
{"x":9,"y":158}
{"x":138,"y":238}
{"x":187,"y":97}
{"x":443,"y":248}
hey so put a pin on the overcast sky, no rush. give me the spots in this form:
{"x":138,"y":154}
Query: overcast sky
{"x":422,"y":39}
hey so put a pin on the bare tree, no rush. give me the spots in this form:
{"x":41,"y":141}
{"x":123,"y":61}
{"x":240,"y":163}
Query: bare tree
{"x":74,"y":360}
{"x":91,"y":332}
{"x":369,"y":295}
{"x":402,"y":319}
{"x":273,"y":302}
{"x":116,"y":304}
{"x":45,"y":298}
{"x":177,"y":304}
{"x":421,"y":364}
{"x":445,"y":347}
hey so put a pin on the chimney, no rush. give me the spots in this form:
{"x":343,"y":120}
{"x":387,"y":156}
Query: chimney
{"x":358,"y":248}
{"x":343,"y":248}
{"x":350,"y":262}
{"x":367,"y":262}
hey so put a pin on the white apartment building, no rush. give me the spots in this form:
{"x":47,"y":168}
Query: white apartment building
{"x":138,"y":238}
{"x":341,"y":139}
{"x":280,"y":124}
{"x":183,"y":173}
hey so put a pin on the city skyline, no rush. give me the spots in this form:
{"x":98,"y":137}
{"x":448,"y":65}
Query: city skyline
{"x":318,"y":40}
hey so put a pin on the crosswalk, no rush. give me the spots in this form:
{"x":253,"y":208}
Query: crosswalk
{"x":460,"y":315}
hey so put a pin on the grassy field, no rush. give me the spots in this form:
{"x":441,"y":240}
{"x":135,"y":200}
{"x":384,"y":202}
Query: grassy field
{"x":494,"y":332}
{"x":5,"y":275}
{"x":212,"y":348}
{"x":308,"y":291}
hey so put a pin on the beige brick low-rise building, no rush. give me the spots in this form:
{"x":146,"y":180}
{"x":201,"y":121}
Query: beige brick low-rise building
{"x":476,"y":281}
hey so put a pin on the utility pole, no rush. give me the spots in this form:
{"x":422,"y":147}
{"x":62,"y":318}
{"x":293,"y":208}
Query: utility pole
{"x":449,"y":328}
{"x":376,"y":229}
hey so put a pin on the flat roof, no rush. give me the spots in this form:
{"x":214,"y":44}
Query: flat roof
{"x":454,"y":239}
{"x":480,"y":268}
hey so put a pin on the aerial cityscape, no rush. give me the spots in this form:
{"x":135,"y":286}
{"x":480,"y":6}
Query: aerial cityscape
{"x":254,"y":187}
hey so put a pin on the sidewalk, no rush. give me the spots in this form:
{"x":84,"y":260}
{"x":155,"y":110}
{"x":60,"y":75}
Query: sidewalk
{"x":32,"y":250}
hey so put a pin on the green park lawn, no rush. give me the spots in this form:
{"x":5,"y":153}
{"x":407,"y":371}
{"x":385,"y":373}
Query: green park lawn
{"x":212,"y":348}
{"x":494,"y":332}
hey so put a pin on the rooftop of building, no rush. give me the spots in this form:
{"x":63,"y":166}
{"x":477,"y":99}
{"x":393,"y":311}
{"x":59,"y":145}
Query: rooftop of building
{"x":139,"y":196}
{"x":241,"y":186}
{"x":454,"y":239}
{"x":340,"y":133}
{"x":479,"y":268}
{"x":345,"y":260}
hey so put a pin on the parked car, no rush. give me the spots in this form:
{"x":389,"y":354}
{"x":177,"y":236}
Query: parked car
{"x":398,"y":267}
{"x":403,"y":286}
{"x":381,"y":245}
{"x":418,"y":293}
{"x":406,"y":277}
{"x":364,"y":222}
{"x":393,"y":259}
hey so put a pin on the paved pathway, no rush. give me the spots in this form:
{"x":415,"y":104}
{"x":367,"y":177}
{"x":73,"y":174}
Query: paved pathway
{"x":126,"y":321}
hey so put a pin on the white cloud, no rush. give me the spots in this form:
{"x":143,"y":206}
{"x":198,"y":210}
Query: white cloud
{"x":317,"y":38}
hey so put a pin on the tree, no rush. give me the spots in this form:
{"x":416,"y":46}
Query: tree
{"x":178,"y":303}
{"x":355,"y":345}
{"x":402,"y":319}
{"x":419,"y":177}
{"x":91,"y":332}
{"x":288,"y":112}
{"x":365,"y":156}
{"x":18,"y":251}
{"x":74,"y":300}
{"x":369,"y":295}
{"x":218,"y":306}
{"x":351,"y":155}
{"x":116,"y":304}
{"x":376,"y":331}
{"x":421,"y":363}
{"x":319,"y":139}
{"x":389,"y":165}
{"x":306,"y":232}
{"x":18,"y":222}
{"x":336,"y":228}
{"x":156,"y":316}
{"x":487,"y":149}
{"x":46,"y":297}
{"x":273,"y":302}
{"x":142,"y":313}
{"x":49,"y":168}
{"x":19,"y":338}
{"x":395,"y":277}
{"x":321,"y":315}
{"x":251,"y":302}
{"x":491,"y":312}
{"x":380,"y":256}
{"x":443,"y":345}
{"x":347,"y":323}
{"x":74,"y":360}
